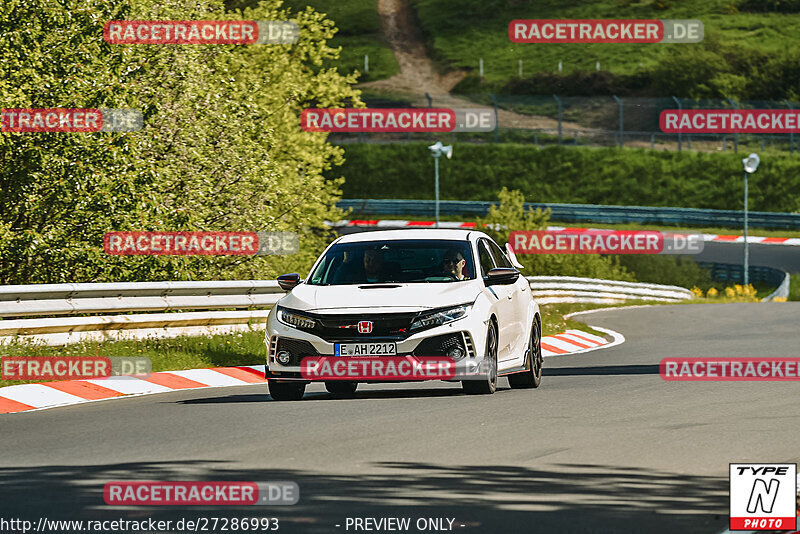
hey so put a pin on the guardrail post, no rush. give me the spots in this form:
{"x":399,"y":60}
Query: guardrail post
{"x":560,"y":110}
{"x":621,"y":124}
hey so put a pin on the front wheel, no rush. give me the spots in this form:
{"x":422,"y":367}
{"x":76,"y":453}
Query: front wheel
{"x":532,"y":376}
{"x":488,"y":384}
{"x":286,"y":391}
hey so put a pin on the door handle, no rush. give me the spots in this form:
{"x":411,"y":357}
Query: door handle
{"x":510,"y":297}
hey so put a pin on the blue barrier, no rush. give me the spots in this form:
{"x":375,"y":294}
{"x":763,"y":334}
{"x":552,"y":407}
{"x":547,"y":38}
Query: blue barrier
{"x":730,"y":272}
{"x":582,"y":213}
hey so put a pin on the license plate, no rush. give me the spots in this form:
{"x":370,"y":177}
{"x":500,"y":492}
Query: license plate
{"x":365,"y":349}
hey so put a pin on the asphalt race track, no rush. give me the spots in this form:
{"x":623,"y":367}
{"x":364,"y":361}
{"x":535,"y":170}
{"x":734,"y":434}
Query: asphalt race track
{"x":603,"y":446}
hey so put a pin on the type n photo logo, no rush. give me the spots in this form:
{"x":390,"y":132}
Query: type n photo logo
{"x":763,"y":496}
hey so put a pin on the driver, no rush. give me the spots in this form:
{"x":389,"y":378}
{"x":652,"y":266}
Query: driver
{"x":453,"y":263}
{"x":374,"y":266}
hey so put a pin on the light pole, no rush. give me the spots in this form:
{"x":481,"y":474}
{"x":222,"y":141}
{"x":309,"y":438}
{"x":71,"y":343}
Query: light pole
{"x":750,"y":165}
{"x":436,"y":151}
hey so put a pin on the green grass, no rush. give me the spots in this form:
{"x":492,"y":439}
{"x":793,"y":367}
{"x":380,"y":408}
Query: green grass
{"x":553,"y":321}
{"x":794,"y":287}
{"x":481,"y":31}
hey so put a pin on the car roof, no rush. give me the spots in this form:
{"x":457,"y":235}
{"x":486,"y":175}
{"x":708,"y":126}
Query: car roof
{"x":416,"y":233}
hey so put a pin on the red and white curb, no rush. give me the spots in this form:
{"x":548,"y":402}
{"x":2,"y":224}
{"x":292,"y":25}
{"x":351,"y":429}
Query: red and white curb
{"x":29,"y":397}
{"x":393,"y":223}
{"x":577,"y":342}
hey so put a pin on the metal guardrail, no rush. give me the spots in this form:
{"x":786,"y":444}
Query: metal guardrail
{"x":554,"y":289}
{"x":581,"y":212}
{"x":72,"y":299}
{"x":257,"y":296}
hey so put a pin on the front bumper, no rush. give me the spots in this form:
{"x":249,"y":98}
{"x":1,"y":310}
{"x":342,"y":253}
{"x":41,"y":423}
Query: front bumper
{"x":467,"y":333}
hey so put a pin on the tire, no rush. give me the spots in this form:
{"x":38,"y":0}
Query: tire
{"x":341,"y":389}
{"x":286,"y":391}
{"x":488,"y":385}
{"x":532,"y":376}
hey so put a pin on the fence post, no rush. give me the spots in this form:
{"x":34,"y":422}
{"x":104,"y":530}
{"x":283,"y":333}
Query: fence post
{"x":366,"y":63}
{"x":520,"y":68}
{"x":480,"y":66}
{"x":621,"y":124}
{"x":791,"y":135}
{"x":559,"y":66}
{"x":560,"y":110}
{"x":652,"y":141}
{"x":679,"y":133}
{"x":736,"y":135}
{"x":496,"y":122}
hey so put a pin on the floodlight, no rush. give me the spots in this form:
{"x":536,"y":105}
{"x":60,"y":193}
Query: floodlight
{"x":751,"y":163}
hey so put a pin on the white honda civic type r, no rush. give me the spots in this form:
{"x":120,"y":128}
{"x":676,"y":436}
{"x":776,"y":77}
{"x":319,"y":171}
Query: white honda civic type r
{"x":417,"y":294}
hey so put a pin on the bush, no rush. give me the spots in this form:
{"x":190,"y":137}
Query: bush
{"x":571,"y":175}
{"x":511,"y":215}
{"x":663,"y":269}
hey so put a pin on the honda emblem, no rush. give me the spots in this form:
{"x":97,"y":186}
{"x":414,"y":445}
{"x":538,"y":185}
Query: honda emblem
{"x":364,"y":327}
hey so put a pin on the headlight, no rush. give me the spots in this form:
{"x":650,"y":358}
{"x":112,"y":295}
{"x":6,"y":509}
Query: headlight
{"x":439,"y":317}
{"x":296,"y":320}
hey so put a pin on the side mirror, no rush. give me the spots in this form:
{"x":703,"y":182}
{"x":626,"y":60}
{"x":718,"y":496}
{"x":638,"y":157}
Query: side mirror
{"x":288,"y":281}
{"x":501,"y":276}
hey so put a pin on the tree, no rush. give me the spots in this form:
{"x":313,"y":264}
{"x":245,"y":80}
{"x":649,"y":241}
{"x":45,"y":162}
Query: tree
{"x":221,"y":147}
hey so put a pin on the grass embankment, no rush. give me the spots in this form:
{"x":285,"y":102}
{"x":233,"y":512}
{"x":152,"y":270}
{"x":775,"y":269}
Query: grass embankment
{"x":739,"y":34}
{"x":359,"y":35}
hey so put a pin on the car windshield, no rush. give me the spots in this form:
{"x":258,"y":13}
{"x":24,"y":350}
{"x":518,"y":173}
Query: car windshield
{"x":396,"y":261}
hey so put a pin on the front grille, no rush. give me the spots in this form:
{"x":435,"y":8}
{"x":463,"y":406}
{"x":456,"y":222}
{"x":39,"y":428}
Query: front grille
{"x":439,"y":345}
{"x":385,"y":326}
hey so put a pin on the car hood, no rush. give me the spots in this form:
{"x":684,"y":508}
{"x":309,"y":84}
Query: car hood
{"x":396,"y":298}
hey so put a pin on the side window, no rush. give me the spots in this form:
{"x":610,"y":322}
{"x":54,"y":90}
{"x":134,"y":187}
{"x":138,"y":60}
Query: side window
{"x":487,"y":264}
{"x":499,"y":257}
